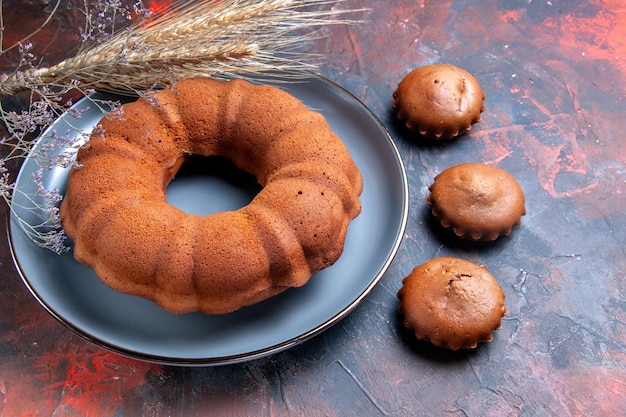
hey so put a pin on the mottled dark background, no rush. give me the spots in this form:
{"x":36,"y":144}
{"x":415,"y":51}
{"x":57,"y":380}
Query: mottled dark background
{"x":554,"y":73}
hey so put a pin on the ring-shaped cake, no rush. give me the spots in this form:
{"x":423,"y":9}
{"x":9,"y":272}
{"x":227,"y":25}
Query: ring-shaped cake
{"x":116,"y":213}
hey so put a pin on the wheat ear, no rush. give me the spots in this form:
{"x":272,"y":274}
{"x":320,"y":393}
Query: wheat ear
{"x":192,"y":38}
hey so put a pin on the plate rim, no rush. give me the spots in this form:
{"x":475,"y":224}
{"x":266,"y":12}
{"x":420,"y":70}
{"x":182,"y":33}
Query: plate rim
{"x":258,"y":353}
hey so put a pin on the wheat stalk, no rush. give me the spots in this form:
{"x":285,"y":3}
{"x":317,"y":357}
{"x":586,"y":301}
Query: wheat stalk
{"x":193,"y":38}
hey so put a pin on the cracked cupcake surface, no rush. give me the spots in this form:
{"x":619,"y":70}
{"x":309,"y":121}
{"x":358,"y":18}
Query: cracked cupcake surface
{"x":477,"y":201}
{"x":439,"y":101}
{"x":452,"y":303}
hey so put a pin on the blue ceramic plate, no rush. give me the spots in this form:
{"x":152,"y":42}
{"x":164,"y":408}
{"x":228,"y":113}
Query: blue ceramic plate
{"x":138,"y":328}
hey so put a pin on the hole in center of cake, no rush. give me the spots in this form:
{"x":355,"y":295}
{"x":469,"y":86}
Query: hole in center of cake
{"x":206,"y":185}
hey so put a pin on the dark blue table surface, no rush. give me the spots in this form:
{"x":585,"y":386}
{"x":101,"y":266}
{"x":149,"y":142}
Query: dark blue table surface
{"x":555,"y":74}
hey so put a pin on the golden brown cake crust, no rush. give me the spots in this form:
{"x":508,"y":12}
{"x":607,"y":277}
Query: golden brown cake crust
{"x":439,"y":101}
{"x":116,"y":212}
{"x":452,"y":303}
{"x":477,"y":201}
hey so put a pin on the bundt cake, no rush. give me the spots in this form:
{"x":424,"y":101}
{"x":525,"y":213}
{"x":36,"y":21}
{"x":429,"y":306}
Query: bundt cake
{"x":116,"y":213}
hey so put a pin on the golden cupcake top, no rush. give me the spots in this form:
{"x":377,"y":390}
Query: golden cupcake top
{"x":477,"y":201}
{"x":452,"y":303}
{"x":439,"y":101}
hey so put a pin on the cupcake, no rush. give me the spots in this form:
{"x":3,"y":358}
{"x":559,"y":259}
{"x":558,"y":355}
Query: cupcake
{"x":477,"y":201}
{"x":452,"y":303}
{"x":439,"y":101}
